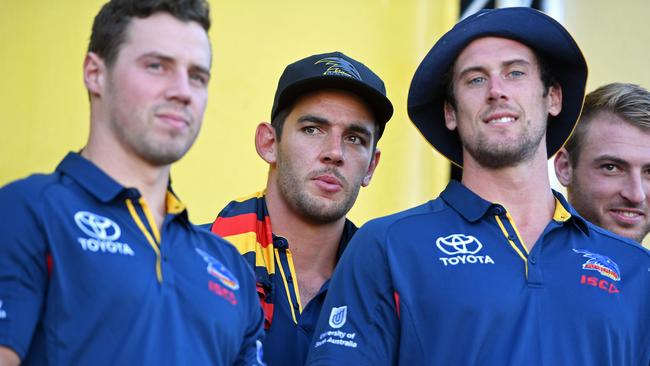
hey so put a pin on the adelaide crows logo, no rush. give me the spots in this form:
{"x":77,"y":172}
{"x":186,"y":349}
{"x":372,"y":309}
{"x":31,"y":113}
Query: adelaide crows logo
{"x":339,"y":67}
{"x":219,"y":271}
{"x":600,"y":263}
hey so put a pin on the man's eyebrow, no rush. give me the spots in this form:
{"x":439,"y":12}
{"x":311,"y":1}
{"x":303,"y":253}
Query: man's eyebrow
{"x":612,"y":159}
{"x":361,"y":129}
{"x":517,"y":61}
{"x":315,"y":119}
{"x":470,"y":70}
{"x":168,"y":59}
{"x":354,"y":127}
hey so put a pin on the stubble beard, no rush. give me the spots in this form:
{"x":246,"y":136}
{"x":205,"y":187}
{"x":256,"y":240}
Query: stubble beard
{"x":582,"y":203}
{"x":503,"y":154}
{"x":294,"y":192}
{"x":135,"y":129}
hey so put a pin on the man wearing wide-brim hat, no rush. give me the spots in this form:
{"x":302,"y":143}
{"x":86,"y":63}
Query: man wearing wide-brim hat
{"x":500,"y":269}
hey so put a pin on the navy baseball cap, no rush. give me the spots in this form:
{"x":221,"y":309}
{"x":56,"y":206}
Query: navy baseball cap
{"x":541,"y":33}
{"x":333,"y":70}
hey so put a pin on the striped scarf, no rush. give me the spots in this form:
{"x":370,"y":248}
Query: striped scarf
{"x":246,"y":224}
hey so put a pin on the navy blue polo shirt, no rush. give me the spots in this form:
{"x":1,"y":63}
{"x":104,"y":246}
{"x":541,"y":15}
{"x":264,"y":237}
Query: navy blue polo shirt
{"x":292,"y":329}
{"x":450,"y":283}
{"x":87,"y":278}
{"x":289,"y":324}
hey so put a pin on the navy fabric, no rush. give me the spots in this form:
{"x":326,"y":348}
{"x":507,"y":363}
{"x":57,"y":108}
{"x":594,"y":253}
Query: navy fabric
{"x":287,"y":342}
{"x":333,"y":70}
{"x":80,"y":283}
{"x":450,"y":283}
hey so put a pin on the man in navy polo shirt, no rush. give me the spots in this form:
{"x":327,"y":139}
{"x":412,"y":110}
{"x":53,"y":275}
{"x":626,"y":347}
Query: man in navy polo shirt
{"x":328,"y":114}
{"x":99,"y":263}
{"x":499,"y":270}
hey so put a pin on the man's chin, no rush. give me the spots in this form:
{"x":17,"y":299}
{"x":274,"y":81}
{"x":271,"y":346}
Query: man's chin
{"x":635,"y":234}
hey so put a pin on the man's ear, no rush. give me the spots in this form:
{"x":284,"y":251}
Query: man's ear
{"x":371,"y":168}
{"x":265,"y":142}
{"x":563,"y":168}
{"x":555,"y":99}
{"x":450,"y":117}
{"x":94,"y":74}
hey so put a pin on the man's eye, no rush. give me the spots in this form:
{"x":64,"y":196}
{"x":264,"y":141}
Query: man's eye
{"x":609,"y":167}
{"x":200,"y":79}
{"x":310,"y":130}
{"x":477,"y":80}
{"x":516,"y":73}
{"x":154,"y":66}
{"x":356,"y":140}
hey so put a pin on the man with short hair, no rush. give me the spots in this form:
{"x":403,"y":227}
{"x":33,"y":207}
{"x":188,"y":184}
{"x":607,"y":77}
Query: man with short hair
{"x":328,"y":114}
{"x":99,"y":264}
{"x":499,"y":270}
{"x":605,"y":165}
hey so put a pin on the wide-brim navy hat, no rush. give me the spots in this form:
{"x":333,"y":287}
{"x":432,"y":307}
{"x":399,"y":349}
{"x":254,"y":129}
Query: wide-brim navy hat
{"x":541,"y":33}
{"x":333,"y":70}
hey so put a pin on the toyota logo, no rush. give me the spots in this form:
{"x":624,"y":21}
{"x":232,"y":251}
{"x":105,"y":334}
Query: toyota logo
{"x":98,"y":227}
{"x":459,"y":244}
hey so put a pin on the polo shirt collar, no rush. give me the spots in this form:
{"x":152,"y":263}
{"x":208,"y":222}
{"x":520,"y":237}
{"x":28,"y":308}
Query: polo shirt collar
{"x":348,"y":231}
{"x":467,"y":203}
{"x":90,"y":177}
{"x":472,"y":207}
{"x":106,"y":189}
{"x":574,"y":217}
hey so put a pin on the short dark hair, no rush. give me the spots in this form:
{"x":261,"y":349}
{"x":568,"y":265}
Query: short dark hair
{"x":109,"y":27}
{"x":630,"y":102}
{"x":545,"y":73}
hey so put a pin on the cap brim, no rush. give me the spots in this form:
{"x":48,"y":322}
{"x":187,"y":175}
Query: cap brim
{"x":377,"y":102}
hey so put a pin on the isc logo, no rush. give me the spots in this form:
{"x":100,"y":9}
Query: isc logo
{"x":598,"y":283}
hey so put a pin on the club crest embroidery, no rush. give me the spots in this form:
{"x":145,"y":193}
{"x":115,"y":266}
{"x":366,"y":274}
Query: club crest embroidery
{"x":338,"y":316}
{"x":601,"y":264}
{"x":219,"y":271}
{"x":339,"y":67}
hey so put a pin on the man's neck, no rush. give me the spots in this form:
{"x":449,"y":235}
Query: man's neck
{"x":313,"y":246}
{"x":131,"y":171}
{"x":524,"y":190}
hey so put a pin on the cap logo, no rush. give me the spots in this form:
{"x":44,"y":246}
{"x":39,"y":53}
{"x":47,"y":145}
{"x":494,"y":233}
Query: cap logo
{"x":339,"y":67}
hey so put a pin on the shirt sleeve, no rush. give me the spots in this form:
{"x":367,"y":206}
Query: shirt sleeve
{"x":359,"y":322}
{"x":23,"y":268}
{"x":251,"y":350}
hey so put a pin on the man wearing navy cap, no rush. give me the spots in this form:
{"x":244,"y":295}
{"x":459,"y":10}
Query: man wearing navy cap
{"x":99,"y":263}
{"x":499,"y":270}
{"x":321,"y":146}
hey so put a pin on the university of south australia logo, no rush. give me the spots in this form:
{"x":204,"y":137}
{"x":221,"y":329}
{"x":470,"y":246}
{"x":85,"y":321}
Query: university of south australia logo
{"x":338,"y":316}
{"x":461,"y":249}
{"x":102,"y":233}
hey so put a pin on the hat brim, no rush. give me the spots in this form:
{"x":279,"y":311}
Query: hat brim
{"x":530,"y":27}
{"x":376,"y":101}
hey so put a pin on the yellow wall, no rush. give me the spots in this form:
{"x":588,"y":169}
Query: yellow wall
{"x":45,"y":109}
{"x":614,"y":37}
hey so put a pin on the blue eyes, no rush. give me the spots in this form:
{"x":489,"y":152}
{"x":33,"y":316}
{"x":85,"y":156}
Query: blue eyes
{"x":480,"y":80}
